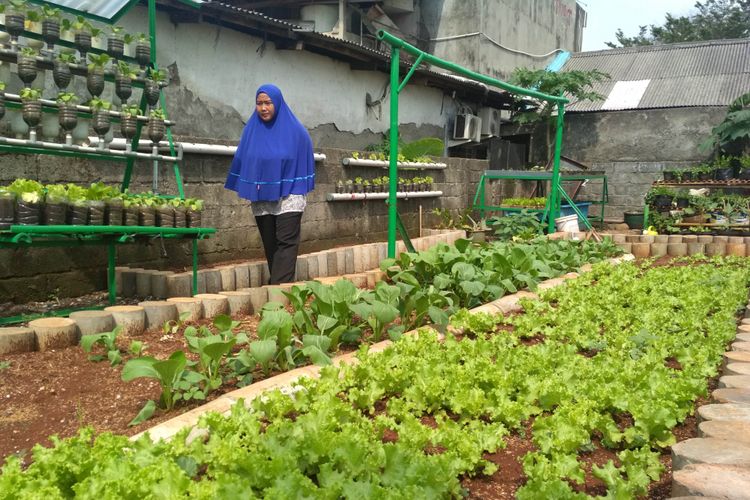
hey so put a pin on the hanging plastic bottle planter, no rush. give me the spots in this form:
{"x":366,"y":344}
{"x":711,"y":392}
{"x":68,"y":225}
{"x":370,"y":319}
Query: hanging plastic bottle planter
{"x":50,"y":26}
{"x":100,"y":118}
{"x":156,"y":128}
{"x":67,"y":114}
{"x":27,"y":69}
{"x":31,"y":109}
{"x":95,"y":76}
{"x":152,"y":85}
{"x":124,"y":81}
{"x":61,"y":73}
{"x":128,"y":124}
{"x":143,"y":49}
{"x":15,"y":19}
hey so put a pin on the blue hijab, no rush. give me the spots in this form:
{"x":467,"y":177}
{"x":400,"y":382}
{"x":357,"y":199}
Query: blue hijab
{"x":274,"y":159}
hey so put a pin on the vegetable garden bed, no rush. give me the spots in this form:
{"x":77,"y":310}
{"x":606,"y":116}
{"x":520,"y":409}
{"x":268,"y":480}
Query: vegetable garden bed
{"x":581,"y":395}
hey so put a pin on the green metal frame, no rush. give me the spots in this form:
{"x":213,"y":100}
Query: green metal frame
{"x":479,"y":202}
{"x":397,"y":86}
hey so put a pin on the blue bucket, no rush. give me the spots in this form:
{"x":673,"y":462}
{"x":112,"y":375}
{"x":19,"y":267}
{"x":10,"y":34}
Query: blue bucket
{"x":583,"y":206}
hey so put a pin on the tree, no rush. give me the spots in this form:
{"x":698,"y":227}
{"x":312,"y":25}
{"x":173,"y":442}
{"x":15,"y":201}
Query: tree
{"x":732,"y":135}
{"x":575,"y":85}
{"x":713,"y":20}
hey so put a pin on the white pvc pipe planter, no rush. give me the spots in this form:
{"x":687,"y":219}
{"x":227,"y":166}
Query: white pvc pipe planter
{"x":187,"y":147}
{"x":381,"y":196}
{"x":361,"y":162}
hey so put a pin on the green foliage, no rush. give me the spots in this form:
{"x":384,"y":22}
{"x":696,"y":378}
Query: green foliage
{"x":538,"y":202}
{"x":28,"y":190}
{"x":51,"y":13}
{"x":126,"y":70}
{"x":415,"y":151}
{"x":106,"y":339}
{"x":67,"y":98}
{"x":29,"y":52}
{"x":97,"y":62}
{"x":130,"y":110}
{"x":520,"y":226}
{"x":734,"y":128}
{"x":157,"y":114}
{"x":713,"y":20}
{"x":98,"y":104}
{"x":168,"y":373}
{"x":29,"y":94}
{"x":157,"y":75}
{"x":66,"y":57}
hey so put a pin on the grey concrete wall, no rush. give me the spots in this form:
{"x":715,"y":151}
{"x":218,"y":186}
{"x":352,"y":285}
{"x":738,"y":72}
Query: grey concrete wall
{"x":532,"y":26}
{"x":37,"y":274}
{"x":633,"y":148}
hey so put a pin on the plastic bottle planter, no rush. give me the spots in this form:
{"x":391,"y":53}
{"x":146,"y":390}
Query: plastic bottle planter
{"x":180,"y":217}
{"x":146,"y":216}
{"x":68,"y":118}
{"x":78,"y":214}
{"x":165,"y":217}
{"x":27,"y":68}
{"x":100,"y":123}
{"x":83,"y":42}
{"x":7,"y":209}
{"x":193,"y":218}
{"x":128,"y":126}
{"x":143,"y":53}
{"x":96,"y":213}
{"x":113,"y":213}
{"x":14,"y":23}
{"x":32,"y":115}
{"x":131,"y":215}
{"x":151,"y":91}
{"x":156,"y":129}
{"x":51,"y":32}
{"x":123,"y":87}
{"x":27,"y":214}
{"x":55,"y":211}
{"x":61,"y":74}
{"x":115,"y":46}
{"x":95,"y":81}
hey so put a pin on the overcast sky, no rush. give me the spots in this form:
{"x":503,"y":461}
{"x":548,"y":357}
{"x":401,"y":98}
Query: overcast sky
{"x":605,"y":16}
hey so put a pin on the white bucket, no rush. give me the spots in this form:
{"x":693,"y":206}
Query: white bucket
{"x":567,"y":224}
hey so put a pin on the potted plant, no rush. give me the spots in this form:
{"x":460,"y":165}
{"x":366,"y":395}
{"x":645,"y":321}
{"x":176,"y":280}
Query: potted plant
{"x":682,"y":199}
{"x":340,"y":186}
{"x":152,"y":85}
{"x":660,"y":198}
{"x":180,"y":212}
{"x":146,"y":210}
{"x":377,"y":185}
{"x":401,"y":184}
{"x":475,"y":231}
{"x":27,"y":69}
{"x":131,"y":210}
{"x":164,"y":212}
{"x":349,"y":186}
{"x":113,"y":206}
{"x":194,"y":210}
{"x":722,"y":168}
{"x":31,"y":108}
{"x":367,"y":186}
{"x":408,"y":187}
{"x":156,"y":127}
{"x":84,"y":32}
{"x":129,"y":123}
{"x":96,"y":196}
{"x":358,"y":187}
{"x":116,"y":41}
{"x":744,"y":166}
{"x":29,"y":195}
{"x":67,"y":113}
{"x":55,"y":204}
{"x":100,"y":117}
{"x":142,"y":49}
{"x":51,"y":18}
{"x":78,"y":209}
{"x":61,"y":73}
{"x":703,"y":172}
{"x":15,"y":19}
{"x":123,"y":81}
{"x":7,"y":208}
{"x":428,"y":182}
{"x":95,"y":76}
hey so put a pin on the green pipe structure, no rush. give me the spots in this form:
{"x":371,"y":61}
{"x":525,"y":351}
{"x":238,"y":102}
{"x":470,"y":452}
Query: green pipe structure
{"x":397,"y":45}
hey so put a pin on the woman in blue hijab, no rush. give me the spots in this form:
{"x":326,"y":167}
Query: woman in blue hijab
{"x":274,"y":169}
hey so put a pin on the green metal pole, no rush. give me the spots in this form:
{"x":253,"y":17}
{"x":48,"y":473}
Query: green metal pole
{"x":554,"y":196}
{"x":195,"y":266}
{"x":392,"y":164}
{"x":112,"y":285}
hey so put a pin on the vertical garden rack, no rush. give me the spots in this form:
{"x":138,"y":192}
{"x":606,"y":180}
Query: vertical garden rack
{"x":73,"y":236}
{"x":556,"y":193}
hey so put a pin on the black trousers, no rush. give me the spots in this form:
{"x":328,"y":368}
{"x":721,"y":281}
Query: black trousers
{"x":280,"y":236}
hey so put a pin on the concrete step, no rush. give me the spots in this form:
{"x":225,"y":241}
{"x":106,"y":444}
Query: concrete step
{"x":711,"y":480}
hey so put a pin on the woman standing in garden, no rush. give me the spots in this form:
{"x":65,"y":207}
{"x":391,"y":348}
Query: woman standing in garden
{"x":274,"y":169}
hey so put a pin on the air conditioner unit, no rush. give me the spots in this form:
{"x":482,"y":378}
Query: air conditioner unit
{"x":467,"y":127}
{"x":505,"y":115}
{"x":490,"y":121}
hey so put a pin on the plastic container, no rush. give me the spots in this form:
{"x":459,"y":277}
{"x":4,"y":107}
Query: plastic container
{"x":583,"y":206}
{"x":567,"y":224}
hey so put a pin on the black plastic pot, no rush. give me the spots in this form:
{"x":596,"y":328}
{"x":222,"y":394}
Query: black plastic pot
{"x":123,"y":88}
{"x":165,"y":217}
{"x":67,"y":117}
{"x":193,"y":218}
{"x":55,"y":214}
{"x":705,"y":176}
{"x":14,"y":22}
{"x":7,"y":210}
{"x":100,"y":122}
{"x":95,"y":82}
{"x":634,"y":220}
{"x":143,"y":53}
{"x":115,"y":46}
{"x":359,"y":188}
{"x":146,"y":216}
{"x":113,"y":213}
{"x":339,"y":188}
{"x":743,"y":174}
{"x":27,"y":68}
{"x":130,"y":216}
{"x":669,"y":176}
{"x":723,"y":174}
{"x":61,"y":74}
{"x":31,"y":112}
{"x":51,"y":32}
{"x":78,"y":215}
{"x":682,"y":202}
{"x":180,"y":217}
{"x":155,"y":129}
{"x":663,"y":201}
{"x":151,"y":91}
{"x":28,"y":214}
{"x":83,"y":42}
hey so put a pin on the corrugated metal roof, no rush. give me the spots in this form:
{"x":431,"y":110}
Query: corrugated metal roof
{"x":251,"y":13}
{"x":710,"y":73}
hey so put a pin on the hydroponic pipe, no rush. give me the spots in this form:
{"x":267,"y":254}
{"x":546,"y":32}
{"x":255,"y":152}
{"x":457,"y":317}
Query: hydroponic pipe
{"x":84,"y":149}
